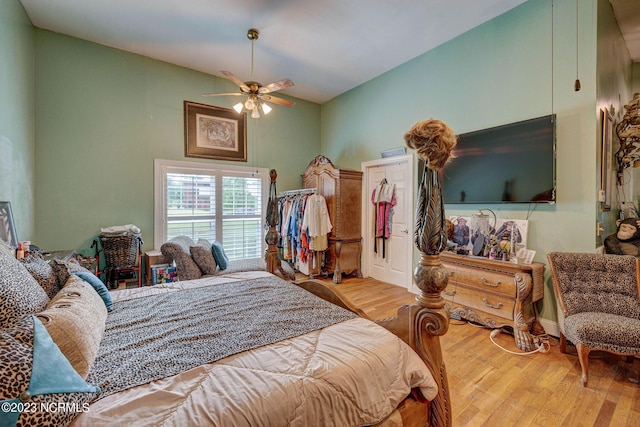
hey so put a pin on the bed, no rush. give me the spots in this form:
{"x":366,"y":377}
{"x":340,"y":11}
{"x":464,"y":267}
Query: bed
{"x":240,"y":347}
{"x":164,"y":356}
{"x":351,"y":372}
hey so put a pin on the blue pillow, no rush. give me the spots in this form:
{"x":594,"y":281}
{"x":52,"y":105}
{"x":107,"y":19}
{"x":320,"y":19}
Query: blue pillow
{"x":97,"y":284}
{"x":218,"y":254}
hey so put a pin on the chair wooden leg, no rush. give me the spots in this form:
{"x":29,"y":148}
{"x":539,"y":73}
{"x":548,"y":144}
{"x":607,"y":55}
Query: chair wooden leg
{"x":563,"y":343}
{"x":583,"y":357}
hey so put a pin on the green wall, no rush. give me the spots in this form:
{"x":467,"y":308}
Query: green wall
{"x":613,"y":90}
{"x":500,"y":72}
{"x":96,"y":117}
{"x":103,"y":116}
{"x":17,"y":115}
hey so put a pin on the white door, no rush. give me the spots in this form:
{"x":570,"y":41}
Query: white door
{"x":394,"y":264}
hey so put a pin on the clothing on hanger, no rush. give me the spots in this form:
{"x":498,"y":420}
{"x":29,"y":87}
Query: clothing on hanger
{"x":305,"y":225}
{"x":317,"y":222}
{"x":383,"y":197}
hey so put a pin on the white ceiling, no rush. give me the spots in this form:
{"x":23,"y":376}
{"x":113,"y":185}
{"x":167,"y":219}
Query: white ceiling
{"x":627,"y":13}
{"x":325,"y":46}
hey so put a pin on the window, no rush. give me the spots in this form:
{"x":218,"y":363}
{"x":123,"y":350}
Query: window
{"x":213,"y":202}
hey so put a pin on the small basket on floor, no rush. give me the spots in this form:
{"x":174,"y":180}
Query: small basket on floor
{"x":121,"y":251}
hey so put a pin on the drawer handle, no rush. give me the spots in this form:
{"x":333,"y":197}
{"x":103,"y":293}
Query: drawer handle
{"x":452,"y":293}
{"x":493,"y":285}
{"x":491,"y":306}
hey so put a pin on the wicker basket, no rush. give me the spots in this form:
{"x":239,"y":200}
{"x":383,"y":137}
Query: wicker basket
{"x":120,"y":251}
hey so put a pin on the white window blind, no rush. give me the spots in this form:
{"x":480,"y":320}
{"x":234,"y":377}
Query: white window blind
{"x":213,"y":202}
{"x":242,"y":217}
{"x":191,"y":206}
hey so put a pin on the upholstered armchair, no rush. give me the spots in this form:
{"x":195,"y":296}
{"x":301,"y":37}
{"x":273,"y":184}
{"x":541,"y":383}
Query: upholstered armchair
{"x":599,"y":297}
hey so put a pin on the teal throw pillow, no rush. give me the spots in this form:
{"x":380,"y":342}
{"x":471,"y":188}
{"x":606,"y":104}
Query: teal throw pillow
{"x":218,"y":254}
{"x":97,"y":284}
{"x":37,"y":375}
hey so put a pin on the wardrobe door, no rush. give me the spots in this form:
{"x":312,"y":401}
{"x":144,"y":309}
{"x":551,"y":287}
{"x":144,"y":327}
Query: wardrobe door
{"x":349,"y":205}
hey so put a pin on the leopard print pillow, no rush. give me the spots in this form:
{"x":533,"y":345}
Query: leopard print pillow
{"x":203,"y":257}
{"x":42,"y":272}
{"x":177,"y":249}
{"x":16,"y":380}
{"x":65,"y":268}
{"x":20,"y":294}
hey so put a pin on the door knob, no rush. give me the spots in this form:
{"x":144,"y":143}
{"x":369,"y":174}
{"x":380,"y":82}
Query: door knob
{"x":404,"y":231}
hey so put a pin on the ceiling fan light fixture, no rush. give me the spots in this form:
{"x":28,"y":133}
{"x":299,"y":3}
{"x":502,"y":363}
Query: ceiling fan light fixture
{"x":255,"y":92}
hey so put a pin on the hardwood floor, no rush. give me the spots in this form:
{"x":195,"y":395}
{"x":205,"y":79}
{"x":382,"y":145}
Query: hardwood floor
{"x":491,"y":387}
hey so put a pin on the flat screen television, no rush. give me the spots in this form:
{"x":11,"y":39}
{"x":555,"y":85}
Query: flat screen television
{"x":512,"y":163}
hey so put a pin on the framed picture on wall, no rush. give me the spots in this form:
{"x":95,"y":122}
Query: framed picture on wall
{"x":7,"y":227}
{"x":606,"y":172}
{"x":214,"y":132}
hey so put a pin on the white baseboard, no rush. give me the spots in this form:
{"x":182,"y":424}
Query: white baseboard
{"x":550,"y":327}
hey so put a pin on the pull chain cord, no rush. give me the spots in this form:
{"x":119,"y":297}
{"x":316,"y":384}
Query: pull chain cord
{"x":577,"y":83}
{"x":552,"y":35}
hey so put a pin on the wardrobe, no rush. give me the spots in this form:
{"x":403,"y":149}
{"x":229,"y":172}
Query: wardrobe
{"x":342,"y":190}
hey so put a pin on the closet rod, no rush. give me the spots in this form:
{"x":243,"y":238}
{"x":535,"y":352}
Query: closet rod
{"x":300,"y":191}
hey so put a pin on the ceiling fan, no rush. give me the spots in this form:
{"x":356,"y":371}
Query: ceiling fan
{"x":256,"y":93}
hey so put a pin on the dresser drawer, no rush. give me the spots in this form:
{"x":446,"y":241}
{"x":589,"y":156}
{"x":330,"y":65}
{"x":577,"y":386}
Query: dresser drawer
{"x":484,"y":291}
{"x":495,"y":304}
{"x":482,"y":279}
{"x":478,"y":316}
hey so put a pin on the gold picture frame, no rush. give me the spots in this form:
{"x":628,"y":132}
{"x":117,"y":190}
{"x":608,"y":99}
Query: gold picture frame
{"x":606,"y":171}
{"x":214,"y":132}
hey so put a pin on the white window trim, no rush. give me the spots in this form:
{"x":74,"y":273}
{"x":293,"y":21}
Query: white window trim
{"x":161,"y":167}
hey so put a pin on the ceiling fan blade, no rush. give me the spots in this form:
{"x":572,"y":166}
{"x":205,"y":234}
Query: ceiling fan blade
{"x":276,"y":100}
{"x":223,"y":94}
{"x":276,"y":86}
{"x":236,"y":80}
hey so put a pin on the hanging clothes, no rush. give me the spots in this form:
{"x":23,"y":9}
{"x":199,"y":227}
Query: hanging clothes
{"x":384,"y":198}
{"x":316,"y":222}
{"x":285,"y":238}
{"x":304,"y":225}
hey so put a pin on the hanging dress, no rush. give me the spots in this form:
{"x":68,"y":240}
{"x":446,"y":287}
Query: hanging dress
{"x":384,"y":198}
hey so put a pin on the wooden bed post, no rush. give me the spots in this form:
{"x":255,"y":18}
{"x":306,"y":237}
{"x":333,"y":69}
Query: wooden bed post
{"x":421,"y":324}
{"x":271,"y":255}
{"x":433,"y":140}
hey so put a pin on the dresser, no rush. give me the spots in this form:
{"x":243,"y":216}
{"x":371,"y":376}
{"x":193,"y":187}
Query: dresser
{"x":342,"y":190}
{"x":496,"y":294}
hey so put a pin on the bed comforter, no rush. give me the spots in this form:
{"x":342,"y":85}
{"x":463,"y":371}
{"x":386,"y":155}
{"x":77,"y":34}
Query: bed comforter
{"x":347,"y":374}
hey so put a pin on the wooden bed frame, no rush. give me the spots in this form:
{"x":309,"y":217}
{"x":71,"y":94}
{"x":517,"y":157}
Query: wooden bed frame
{"x":420,"y":325}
